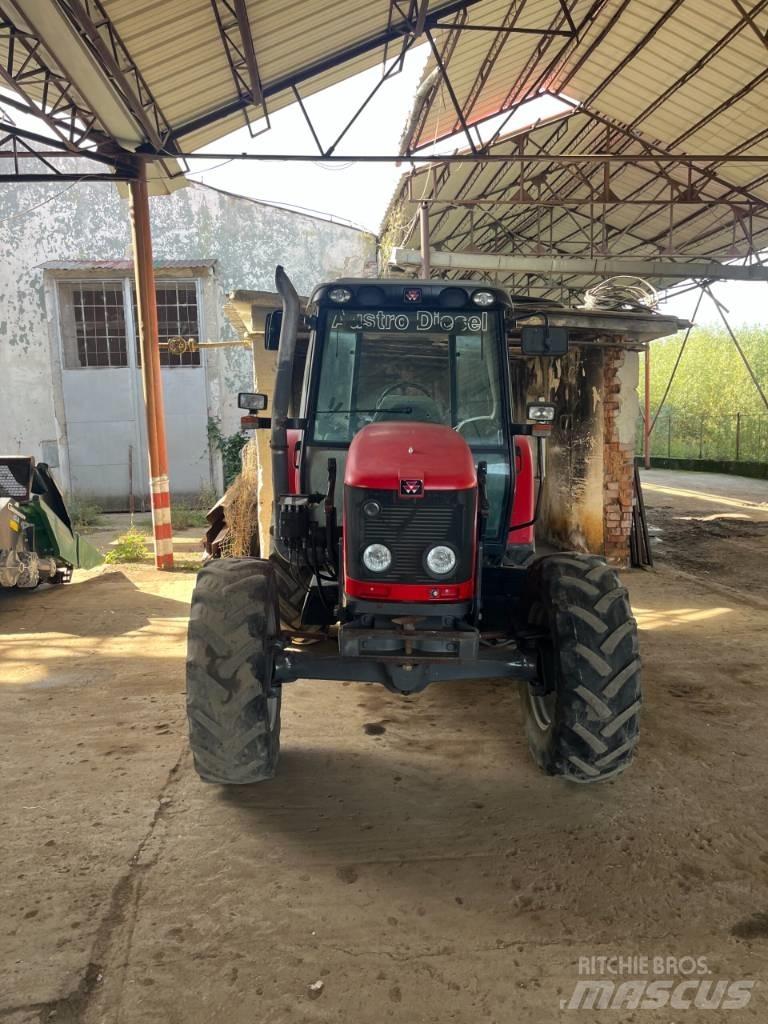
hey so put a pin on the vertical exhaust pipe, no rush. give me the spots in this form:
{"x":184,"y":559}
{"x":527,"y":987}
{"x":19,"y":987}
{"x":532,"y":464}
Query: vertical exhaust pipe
{"x":278,"y":441}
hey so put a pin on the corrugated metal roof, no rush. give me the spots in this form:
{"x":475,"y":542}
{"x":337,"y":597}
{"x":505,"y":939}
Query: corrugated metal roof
{"x":490,"y":72}
{"x":672,"y":77}
{"x":126,"y":265}
{"x":685,"y":76}
{"x":672,"y":69}
{"x":491,"y":214}
{"x":178,"y":50}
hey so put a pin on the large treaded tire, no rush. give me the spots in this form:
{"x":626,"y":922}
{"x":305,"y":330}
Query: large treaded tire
{"x":519,"y":556}
{"x":292,"y":585}
{"x":586,"y":728}
{"x":234,"y":722}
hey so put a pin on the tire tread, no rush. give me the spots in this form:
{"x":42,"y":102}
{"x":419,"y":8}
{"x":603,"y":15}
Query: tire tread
{"x":233,"y":619}
{"x":595,"y":724}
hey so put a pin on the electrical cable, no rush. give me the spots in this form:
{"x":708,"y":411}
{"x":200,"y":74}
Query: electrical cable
{"x":215,"y":167}
{"x":622,"y":292}
{"x":44,"y":202}
{"x":415,"y":219}
{"x":334,"y":166}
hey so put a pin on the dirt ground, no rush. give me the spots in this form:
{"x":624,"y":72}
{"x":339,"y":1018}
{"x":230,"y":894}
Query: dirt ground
{"x":408,"y":855}
{"x":187,"y":546}
{"x":712,"y":525}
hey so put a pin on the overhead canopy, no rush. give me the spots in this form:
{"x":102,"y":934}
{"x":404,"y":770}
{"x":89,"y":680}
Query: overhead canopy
{"x":673,"y":79}
{"x":624,"y":209}
{"x":170,"y":76}
{"x":691,"y":74}
{"x":673,"y":91}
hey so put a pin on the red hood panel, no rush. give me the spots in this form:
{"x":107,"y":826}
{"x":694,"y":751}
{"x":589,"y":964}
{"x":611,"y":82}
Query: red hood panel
{"x":383,"y":454}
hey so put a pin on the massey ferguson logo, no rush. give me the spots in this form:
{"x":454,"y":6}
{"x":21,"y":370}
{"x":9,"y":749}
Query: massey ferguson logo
{"x":412,"y":488}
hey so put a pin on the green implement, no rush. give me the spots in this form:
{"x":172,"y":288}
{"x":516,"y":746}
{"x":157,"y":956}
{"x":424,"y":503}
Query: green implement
{"x":37,"y":541}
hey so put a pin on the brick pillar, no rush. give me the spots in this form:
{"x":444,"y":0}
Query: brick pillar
{"x":620,"y":416}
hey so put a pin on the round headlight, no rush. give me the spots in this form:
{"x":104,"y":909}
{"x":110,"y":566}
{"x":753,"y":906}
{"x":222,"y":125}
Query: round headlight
{"x":371,"y":509}
{"x":483,"y":298}
{"x":441,"y":560}
{"x":339,"y":294}
{"x":377,"y":558}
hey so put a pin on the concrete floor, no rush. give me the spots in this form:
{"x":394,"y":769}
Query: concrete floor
{"x":730,"y":496}
{"x":712,"y":526}
{"x":422,"y":870}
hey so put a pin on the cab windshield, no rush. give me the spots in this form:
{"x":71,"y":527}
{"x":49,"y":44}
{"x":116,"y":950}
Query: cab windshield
{"x":428,"y":366}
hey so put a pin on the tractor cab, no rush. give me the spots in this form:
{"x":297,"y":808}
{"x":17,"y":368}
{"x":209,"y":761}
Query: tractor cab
{"x":408,"y":354}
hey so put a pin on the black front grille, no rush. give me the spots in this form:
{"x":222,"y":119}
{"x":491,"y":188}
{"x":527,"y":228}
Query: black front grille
{"x":409,"y":527}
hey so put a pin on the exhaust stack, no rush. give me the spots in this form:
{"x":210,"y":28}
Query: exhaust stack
{"x":282,"y":394}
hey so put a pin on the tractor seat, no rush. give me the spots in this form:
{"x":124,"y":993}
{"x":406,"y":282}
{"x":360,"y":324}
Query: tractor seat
{"x":423,"y":409}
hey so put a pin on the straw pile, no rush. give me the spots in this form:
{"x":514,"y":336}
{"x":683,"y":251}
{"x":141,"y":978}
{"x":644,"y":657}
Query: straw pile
{"x":241,"y":506}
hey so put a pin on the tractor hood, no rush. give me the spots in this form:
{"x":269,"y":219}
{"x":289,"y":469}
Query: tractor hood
{"x":409,"y":458}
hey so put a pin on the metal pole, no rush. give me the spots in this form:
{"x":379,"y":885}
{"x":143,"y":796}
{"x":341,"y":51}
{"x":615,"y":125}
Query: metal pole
{"x":597,"y":266}
{"x":424,"y":226}
{"x":146,"y":303}
{"x":647,"y":421}
{"x":131,"y":499}
{"x":669,"y":436}
{"x":738,"y":434}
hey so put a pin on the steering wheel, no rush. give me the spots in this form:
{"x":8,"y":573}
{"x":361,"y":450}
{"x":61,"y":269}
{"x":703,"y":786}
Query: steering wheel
{"x":474,"y":420}
{"x":399,"y":385}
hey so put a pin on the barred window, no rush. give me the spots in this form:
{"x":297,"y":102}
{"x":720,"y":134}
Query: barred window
{"x":99,"y":322}
{"x":95,"y":329}
{"x":176,"y":318}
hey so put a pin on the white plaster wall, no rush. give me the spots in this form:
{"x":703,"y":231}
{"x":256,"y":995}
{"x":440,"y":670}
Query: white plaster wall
{"x":629,"y":409}
{"x":91,"y":222}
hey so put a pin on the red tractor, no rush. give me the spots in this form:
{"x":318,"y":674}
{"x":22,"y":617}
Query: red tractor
{"x":402,"y":539}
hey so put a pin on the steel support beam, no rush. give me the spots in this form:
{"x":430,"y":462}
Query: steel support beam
{"x":87,"y":90}
{"x":426,"y":266}
{"x":91,"y":20}
{"x":722,"y":311}
{"x":395,"y":31}
{"x":146,"y":303}
{"x":597,"y":267}
{"x":244,"y":25}
{"x":597,"y":199}
{"x":483,"y":157}
{"x":235,"y":30}
{"x":16,"y":146}
{"x":61,"y":108}
{"x":647,"y":411}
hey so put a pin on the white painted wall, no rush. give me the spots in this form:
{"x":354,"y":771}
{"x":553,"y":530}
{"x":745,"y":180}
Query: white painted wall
{"x":91,"y":222}
{"x":629,"y":410}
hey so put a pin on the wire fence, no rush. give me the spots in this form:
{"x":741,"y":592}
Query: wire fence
{"x":740,"y":437}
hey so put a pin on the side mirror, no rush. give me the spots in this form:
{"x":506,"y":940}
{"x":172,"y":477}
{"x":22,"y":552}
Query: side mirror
{"x":253,"y":401}
{"x":272,"y":325}
{"x":542,"y":340}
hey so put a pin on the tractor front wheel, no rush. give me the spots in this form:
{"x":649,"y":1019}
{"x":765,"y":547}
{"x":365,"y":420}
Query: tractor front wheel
{"x":232,"y":708}
{"x":581,"y":714}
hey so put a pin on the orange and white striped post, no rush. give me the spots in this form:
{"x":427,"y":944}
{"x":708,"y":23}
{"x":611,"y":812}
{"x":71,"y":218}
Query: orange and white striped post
{"x":152,"y":385}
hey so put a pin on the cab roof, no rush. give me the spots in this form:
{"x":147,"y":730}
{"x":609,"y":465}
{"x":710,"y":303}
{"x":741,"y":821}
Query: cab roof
{"x":391,"y":291}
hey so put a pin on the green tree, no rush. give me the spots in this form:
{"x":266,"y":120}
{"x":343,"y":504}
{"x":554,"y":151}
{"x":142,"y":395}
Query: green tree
{"x":712,"y":385}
